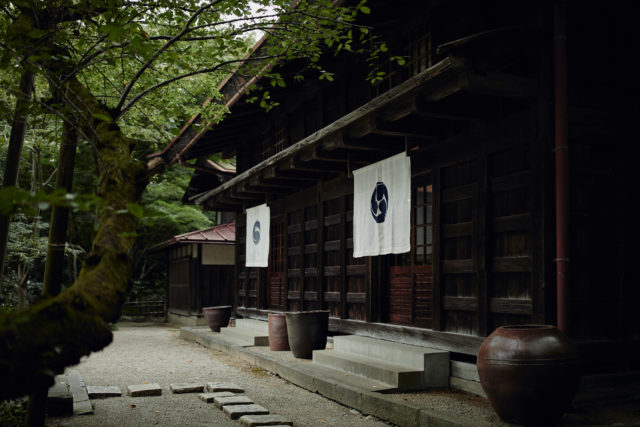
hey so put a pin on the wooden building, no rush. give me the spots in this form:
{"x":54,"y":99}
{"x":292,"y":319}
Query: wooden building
{"x":515,"y":117}
{"x":200,"y":272}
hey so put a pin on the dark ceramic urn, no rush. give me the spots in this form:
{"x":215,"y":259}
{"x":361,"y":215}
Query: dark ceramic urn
{"x":529,"y":372}
{"x":278,"y":338}
{"x":307,"y":331}
{"x":217,"y":316}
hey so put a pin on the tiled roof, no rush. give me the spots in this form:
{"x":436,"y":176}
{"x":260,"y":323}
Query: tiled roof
{"x":223,"y":233}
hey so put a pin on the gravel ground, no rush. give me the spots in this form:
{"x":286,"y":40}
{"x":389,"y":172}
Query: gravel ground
{"x":154,"y":353}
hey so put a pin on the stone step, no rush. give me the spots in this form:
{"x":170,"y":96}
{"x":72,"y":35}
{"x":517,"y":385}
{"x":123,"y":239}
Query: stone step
{"x":248,"y":336}
{"x":324,"y":377}
{"x":60,"y":399}
{"x":81,"y":403}
{"x":211,"y":339}
{"x":210,"y":397}
{"x":258,"y":326}
{"x":232,"y":400}
{"x":392,"y":352}
{"x":219,"y":387}
{"x":186,"y":388}
{"x":138,"y":390}
{"x":103,"y":391}
{"x":264,"y":420}
{"x":399,"y":376}
{"x":236,"y":411}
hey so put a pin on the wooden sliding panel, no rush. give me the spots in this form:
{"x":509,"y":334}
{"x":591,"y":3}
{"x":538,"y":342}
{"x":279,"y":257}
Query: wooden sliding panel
{"x":510,"y":242}
{"x":275,"y":292}
{"x":311,"y":276}
{"x":356,"y":271}
{"x":410,"y":289}
{"x":179,"y":282}
{"x":295,"y":258}
{"x":243,"y":272}
{"x":332,"y":252}
{"x":459,"y":185}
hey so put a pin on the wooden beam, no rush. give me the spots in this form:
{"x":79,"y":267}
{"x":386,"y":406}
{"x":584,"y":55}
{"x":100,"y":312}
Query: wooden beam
{"x":236,"y":193}
{"x":503,"y":85}
{"x":425,"y":80}
{"x":416,"y":106}
{"x":246,"y":187}
{"x":338,"y":157}
{"x":353,"y":145}
{"x":389,"y":129}
{"x":294,"y":175}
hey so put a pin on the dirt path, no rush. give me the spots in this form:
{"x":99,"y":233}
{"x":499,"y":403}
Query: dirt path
{"x":154,"y":353}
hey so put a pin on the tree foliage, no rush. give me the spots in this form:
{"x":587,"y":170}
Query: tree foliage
{"x":119,"y":71}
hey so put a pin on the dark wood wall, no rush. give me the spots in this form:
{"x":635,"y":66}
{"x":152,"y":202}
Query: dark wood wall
{"x":492,"y":206}
{"x":604,"y":292}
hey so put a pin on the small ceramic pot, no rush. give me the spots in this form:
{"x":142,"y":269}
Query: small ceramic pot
{"x":307,"y":331}
{"x":217,"y":316}
{"x":278,"y":338}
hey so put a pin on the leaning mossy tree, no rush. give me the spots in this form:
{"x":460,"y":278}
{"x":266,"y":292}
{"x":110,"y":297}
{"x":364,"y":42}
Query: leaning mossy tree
{"x":112,"y":66}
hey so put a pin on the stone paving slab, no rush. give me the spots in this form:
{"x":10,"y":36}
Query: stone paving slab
{"x":59,"y":398}
{"x":136,"y":390}
{"x":232,"y":400}
{"x":236,"y":411}
{"x":264,"y":420}
{"x":187,"y":388}
{"x":81,"y":403}
{"x":209,"y":397}
{"x":215,"y":386}
{"x":102,"y":391}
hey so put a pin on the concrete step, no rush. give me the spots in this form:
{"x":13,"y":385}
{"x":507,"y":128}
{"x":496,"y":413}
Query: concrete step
{"x":330,"y":375}
{"x":434,"y":363}
{"x":399,"y":376}
{"x":393,"y":352}
{"x":211,"y":339}
{"x":259,"y":326}
{"x":249,"y":336}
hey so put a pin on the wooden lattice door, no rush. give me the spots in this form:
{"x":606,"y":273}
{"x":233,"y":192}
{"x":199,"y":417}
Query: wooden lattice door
{"x":410,"y":290}
{"x":276,"y":280}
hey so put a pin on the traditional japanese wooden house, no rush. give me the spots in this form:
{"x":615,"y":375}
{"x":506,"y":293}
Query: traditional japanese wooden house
{"x":200,"y":272}
{"x":513,"y":114}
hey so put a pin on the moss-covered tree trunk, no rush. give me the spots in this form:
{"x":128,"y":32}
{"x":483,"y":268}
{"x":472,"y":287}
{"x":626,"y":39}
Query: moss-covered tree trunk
{"x":41,"y":341}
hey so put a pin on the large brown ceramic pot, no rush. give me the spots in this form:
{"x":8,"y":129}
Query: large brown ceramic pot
{"x":217,"y":316}
{"x":278,"y":338}
{"x":307,"y":331}
{"x":529,"y":373}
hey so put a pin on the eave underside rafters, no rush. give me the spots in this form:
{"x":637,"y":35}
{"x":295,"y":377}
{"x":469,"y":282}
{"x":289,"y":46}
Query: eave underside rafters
{"x":412,"y":116}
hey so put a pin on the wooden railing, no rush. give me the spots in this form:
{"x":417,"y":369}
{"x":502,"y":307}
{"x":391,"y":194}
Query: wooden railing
{"x":145,"y":308}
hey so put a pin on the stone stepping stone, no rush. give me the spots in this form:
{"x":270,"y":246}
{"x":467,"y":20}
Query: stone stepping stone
{"x":187,"y":388}
{"x":209,"y":397}
{"x":232,"y":400}
{"x":59,"y":398}
{"x":213,"y":387}
{"x":236,"y":411}
{"x":137,"y":390}
{"x":101,"y":391}
{"x":265,"y":420}
{"x":81,"y":403}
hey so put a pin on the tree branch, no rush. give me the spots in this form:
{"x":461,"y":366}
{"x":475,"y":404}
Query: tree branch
{"x":192,"y":73}
{"x":162,"y":49}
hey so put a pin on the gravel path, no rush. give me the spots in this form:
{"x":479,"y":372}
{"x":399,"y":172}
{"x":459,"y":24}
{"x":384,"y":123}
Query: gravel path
{"x":154,"y":353}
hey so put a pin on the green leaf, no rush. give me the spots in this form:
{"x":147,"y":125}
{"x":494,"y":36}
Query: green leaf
{"x":365,"y":10}
{"x":101,"y":116}
{"x":135,"y":210}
